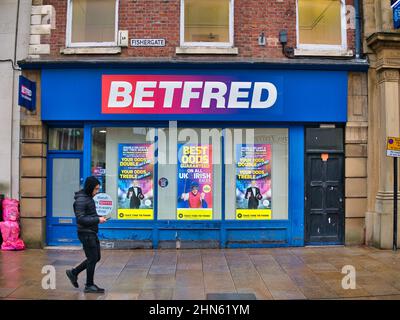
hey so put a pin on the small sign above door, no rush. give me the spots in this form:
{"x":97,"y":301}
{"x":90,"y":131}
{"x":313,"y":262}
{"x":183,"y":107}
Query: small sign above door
{"x":147,"y":42}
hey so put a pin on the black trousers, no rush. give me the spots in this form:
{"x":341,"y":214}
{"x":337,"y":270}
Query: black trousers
{"x":91,"y":246}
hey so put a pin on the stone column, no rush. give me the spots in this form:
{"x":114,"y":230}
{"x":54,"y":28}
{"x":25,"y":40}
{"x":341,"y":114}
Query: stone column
{"x":33,"y":173}
{"x":356,"y":159}
{"x":388,"y":89}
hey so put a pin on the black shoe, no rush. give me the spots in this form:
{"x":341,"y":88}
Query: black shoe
{"x":93,"y":289}
{"x":73,"y":278}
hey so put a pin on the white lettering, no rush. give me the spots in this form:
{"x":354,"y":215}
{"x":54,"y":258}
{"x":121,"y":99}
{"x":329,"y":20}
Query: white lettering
{"x":49,"y":280}
{"x":188,"y":94}
{"x":169,"y":87}
{"x":235,"y":94}
{"x":116,"y":92}
{"x":141,"y":93}
{"x":209,"y":95}
{"x":258,"y":89}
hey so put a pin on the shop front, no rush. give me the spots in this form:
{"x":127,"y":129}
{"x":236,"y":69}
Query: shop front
{"x":192,"y":157}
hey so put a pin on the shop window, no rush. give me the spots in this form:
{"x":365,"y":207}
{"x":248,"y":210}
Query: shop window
{"x":207,"y":23}
{"x":189,"y":174}
{"x":65,"y":139}
{"x":256,"y":174}
{"x":321,"y":24}
{"x":85,"y":28}
{"x":123,"y":161}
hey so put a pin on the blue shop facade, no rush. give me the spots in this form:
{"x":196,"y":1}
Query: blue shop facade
{"x":197,"y":155}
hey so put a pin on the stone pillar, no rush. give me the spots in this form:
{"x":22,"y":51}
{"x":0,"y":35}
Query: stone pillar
{"x":388,"y":90}
{"x":33,"y":173}
{"x":356,"y":159}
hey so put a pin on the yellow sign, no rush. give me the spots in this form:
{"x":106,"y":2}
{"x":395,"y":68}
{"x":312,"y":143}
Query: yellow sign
{"x":135,"y":214}
{"x":253,"y":214}
{"x":194,"y":214}
{"x":393,"y":147}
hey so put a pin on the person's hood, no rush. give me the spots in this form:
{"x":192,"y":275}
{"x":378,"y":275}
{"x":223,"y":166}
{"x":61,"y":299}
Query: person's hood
{"x":90,"y":184}
{"x":80,"y":194}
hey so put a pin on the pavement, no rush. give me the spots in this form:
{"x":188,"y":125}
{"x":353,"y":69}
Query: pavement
{"x":200,"y":274}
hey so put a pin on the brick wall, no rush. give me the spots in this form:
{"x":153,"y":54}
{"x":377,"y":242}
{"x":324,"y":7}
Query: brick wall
{"x":161,"y":19}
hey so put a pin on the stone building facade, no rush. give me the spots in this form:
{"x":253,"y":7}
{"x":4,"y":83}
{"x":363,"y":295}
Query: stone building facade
{"x":14,"y":38}
{"x":381,"y":44}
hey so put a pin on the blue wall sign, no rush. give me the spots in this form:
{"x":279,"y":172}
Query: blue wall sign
{"x":27,"y":93}
{"x":301,"y":95}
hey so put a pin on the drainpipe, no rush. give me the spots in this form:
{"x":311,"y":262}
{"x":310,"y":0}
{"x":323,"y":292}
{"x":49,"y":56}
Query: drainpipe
{"x":14,"y":86}
{"x":358,"y":28}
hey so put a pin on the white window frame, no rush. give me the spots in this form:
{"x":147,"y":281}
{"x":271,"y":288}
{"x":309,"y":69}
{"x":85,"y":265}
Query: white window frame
{"x":207,"y":44}
{"x":324,"y":47}
{"x":70,"y":44}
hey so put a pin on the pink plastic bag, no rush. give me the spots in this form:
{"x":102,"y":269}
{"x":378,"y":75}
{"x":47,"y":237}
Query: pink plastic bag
{"x":10,"y":233}
{"x":10,"y":210}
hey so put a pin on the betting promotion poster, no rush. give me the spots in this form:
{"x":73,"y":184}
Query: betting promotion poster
{"x":135,"y":181}
{"x":253,"y":182}
{"x":195,"y":182}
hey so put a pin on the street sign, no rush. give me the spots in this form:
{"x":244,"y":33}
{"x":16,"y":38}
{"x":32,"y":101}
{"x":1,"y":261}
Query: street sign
{"x":393,"y":147}
{"x":393,"y":150}
{"x":27,"y":93}
{"x":147,"y":42}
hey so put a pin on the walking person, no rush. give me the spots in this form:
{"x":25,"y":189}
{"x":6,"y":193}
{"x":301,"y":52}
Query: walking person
{"x":87,"y":221}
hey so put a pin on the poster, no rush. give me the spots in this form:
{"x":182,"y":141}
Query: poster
{"x":194,"y":182}
{"x":135,"y":181}
{"x":253,"y":182}
{"x":104,"y":204}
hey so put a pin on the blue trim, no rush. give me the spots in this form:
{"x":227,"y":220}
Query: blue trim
{"x":296,"y":185}
{"x":87,"y":151}
{"x":155,"y":188}
{"x":354,"y":65}
{"x":223,"y":188}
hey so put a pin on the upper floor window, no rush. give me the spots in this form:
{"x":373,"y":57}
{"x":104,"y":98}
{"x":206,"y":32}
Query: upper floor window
{"x":207,"y":23}
{"x":321,"y":24}
{"x":92,"y":23}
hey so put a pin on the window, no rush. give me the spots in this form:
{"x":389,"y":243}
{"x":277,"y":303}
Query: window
{"x":66,"y":139}
{"x":123,"y":161}
{"x":321,"y":24}
{"x":190,"y":160}
{"x":207,"y":23}
{"x":256,"y":174}
{"x":92,"y":23}
{"x":190,"y":165}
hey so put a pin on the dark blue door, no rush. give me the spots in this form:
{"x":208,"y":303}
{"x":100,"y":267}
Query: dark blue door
{"x":64,"y":178}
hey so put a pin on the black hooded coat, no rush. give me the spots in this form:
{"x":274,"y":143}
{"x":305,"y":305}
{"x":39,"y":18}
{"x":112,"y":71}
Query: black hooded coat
{"x":87,"y":218}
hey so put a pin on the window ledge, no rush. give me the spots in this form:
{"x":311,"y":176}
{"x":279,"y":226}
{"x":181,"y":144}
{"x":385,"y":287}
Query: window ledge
{"x":323,"y":53}
{"x":206,"y":50}
{"x":91,"y":50}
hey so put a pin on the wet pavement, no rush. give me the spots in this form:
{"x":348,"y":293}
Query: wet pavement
{"x":281,"y":273}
